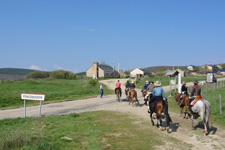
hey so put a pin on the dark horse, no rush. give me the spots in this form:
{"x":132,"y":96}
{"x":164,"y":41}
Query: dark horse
{"x":183,"y":102}
{"x":132,"y":95}
{"x":117,"y":95}
{"x":161,"y":106}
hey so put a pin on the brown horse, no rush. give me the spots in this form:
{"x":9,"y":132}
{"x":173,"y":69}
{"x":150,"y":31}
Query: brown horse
{"x":132,"y":95}
{"x":144,"y":94}
{"x":183,"y":102}
{"x":161,"y":106}
{"x":117,"y":95}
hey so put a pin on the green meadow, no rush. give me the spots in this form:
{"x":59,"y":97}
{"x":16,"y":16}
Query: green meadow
{"x":85,"y":131}
{"x":54,"y":90}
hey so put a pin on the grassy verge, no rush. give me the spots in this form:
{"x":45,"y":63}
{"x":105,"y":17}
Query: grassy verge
{"x":92,"y":130}
{"x":55,"y":90}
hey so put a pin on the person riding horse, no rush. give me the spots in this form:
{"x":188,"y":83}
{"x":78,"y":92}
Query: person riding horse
{"x":118,"y":86}
{"x":150,"y":89}
{"x":196,"y":90}
{"x":195,"y":93}
{"x":158,"y":94}
{"x":183,"y":92}
{"x":145,"y":86}
{"x":132,"y":86}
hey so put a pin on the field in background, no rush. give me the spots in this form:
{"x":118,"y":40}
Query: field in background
{"x":55,"y":90}
{"x":90,"y":130}
{"x":165,"y":80}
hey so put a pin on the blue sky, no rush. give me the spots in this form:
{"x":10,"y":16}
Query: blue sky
{"x":72,"y":34}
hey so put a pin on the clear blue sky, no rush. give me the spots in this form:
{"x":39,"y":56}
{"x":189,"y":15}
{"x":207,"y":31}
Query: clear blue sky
{"x":72,"y":34}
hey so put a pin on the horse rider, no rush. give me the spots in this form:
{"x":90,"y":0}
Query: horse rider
{"x":128,"y":84}
{"x":132,"y":86}
{"x":183,"y":91}
{"x":150,"y":89}
{"x":196,"y":91}
{"x":158,"y":93}
{"x":118,"y":86}
{"x":145,"y":86}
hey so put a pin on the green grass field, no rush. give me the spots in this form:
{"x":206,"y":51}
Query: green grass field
{"x":91,"y":131}
{"x":55,"y":90}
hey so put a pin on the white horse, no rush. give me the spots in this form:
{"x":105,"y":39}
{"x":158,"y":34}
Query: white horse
{"x":202,"y":108}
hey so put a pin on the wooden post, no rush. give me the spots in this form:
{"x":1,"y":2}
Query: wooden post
{"x":220,"y":104}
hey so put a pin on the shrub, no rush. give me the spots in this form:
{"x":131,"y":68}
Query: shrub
{"x":93,"y":82}
{"x":38,"y":74}
{"x":151,"y":75}
{"x":61,"y":74}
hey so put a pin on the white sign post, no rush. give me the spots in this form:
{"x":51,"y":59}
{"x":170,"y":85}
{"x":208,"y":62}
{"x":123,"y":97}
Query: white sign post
{"x":179,"y":83}
{"x":32,"y":97}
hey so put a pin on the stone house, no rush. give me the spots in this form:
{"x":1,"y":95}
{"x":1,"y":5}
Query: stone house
{"x":138,"y":72}
{"x":101,"y":70}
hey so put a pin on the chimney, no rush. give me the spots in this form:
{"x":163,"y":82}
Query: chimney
{"x":95,"y":70}
{"x":113,"y":68}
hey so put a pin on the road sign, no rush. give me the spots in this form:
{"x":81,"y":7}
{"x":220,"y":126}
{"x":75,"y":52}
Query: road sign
{"x":32,"y":97}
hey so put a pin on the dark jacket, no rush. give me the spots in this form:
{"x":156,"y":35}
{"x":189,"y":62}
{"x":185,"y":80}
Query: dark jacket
{"x":145,"y":86}
{"x":196,"y":91}
{"x":132,"y":85}
{"x":128,"y":85}
{"x":184,"y":88}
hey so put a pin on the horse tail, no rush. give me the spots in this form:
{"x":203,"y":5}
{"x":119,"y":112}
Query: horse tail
{"x":165,"y":111}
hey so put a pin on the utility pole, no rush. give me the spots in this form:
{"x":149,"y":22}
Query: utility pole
{"x":118,"y":66}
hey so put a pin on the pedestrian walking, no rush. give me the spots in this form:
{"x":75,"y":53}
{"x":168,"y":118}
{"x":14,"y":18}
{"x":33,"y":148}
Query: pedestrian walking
{"x":101,"y":90}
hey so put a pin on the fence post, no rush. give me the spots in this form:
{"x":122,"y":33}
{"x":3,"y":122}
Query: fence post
{"x":220,"y":104}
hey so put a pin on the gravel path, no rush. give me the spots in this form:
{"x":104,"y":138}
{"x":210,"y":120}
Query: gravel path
{"x":181,"y":128}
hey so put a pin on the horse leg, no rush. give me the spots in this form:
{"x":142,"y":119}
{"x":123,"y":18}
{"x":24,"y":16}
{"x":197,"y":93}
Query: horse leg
{"x":181,"y":111}
{"x":151,"y":118}
{"x":205,"y":125}
{"x":192,"y":120}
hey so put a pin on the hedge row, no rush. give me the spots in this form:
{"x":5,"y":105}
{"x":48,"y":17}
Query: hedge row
{"x":58,"y":74}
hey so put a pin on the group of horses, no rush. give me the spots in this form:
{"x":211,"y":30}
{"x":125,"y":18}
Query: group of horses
{"x":130,"y":95}
{"x":201,"y":108}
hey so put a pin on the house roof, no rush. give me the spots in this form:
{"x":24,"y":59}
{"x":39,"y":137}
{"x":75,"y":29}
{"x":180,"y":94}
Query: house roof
{"x":105,"y":68}
{"x":145,"y":70}
{"x":172,"y":73}
{"x":219,"y":70}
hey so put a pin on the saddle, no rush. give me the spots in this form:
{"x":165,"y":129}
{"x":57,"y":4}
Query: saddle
{"x":197,"y":98}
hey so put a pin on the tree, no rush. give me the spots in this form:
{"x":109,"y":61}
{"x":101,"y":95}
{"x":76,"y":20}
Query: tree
{"x":223,"y":66}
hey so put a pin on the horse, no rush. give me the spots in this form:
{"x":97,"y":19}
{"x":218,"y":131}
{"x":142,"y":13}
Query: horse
{"x":127,"y":93}
{"x":183,"y":102}
{"x":160,"y":106}
{"x":202,"y":108}
{"x":117,"y":95}
{"x":132,"y":95}
{"x":144,"y":94}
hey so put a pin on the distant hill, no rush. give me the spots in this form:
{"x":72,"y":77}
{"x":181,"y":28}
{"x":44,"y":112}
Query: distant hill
{"x":156,"y":68}
{"x":14,"y":73}
{"x":81,"y":74}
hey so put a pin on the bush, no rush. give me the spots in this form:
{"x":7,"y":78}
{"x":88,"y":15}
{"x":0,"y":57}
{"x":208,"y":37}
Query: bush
{"x":93,"y":82}
{"x":38,"y":74}
{"x":61,"y":74}
{"x":151,"y":75}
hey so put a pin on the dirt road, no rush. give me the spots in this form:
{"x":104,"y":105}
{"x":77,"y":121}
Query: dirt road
{"x":181,"y":128}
